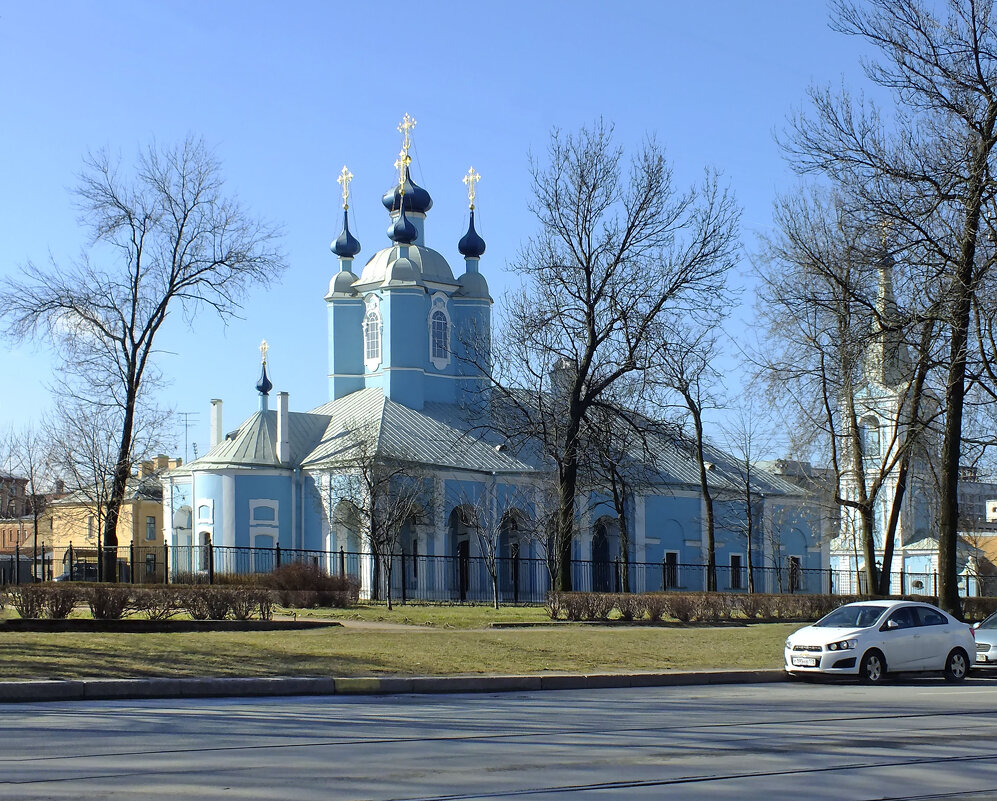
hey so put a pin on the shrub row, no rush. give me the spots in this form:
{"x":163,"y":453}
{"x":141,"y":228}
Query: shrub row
{"x":708,"y":607}
{"x":294,"y":585}
{"x":114,"y":601}
{"x":298,"y":584}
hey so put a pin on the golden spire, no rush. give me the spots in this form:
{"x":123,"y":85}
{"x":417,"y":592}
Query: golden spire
{"x":264,"y":347}
{"x":344,"y":178}
{"x":470,"y":180}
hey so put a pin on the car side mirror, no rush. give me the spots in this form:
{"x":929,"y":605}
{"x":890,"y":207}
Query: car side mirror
{"x":891,"y":624}
{"x":976,"y":625}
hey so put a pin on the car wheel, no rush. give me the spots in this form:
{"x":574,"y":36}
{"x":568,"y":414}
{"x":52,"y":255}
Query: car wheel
{"x":956,"y":665}
{"x":872,"y":669}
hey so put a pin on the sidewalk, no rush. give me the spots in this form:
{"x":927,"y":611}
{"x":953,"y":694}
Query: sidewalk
{"x":123,"y":689}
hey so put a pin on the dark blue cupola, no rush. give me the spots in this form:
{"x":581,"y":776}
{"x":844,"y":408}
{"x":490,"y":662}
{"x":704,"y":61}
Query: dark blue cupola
{"x":471,"y":246}
{"x":401,"y":231}
{"x":346,"y":246}
{"x":417,"y":199}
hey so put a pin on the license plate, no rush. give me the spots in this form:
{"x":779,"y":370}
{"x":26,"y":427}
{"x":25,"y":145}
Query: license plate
{"x":804,"y":661}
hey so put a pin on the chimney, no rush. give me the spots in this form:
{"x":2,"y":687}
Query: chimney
{"x":162,"y":463}
{"x":283,"y":441}
{"x":216,"y":421}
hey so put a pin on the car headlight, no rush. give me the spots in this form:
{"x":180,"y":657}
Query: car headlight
{"x":841,"y":645}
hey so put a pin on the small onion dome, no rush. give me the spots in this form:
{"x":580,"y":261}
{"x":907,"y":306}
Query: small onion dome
{"x":471,"y":246}
{"x":347,"y":246}
{"x":263,"y":386}
{"x":417,"y":199}
{"x":401,"y":230}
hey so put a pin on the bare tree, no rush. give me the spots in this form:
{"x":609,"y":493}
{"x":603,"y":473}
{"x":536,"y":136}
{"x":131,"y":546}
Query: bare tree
{"x":851,"y":361}
{"x":388,"y":493}
{"x":30,"y":449}
{"x":164,"y":240}
{"x":618,"y":246}
{"x":747,"y":436}
{"x":927,"y":167}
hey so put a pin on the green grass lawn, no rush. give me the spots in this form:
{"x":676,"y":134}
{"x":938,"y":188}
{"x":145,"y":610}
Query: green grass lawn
{"x":447,"y":616}
{"x":438,"y":650}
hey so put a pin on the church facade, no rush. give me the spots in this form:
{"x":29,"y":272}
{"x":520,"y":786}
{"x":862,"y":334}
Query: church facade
{"x":409,"y":344}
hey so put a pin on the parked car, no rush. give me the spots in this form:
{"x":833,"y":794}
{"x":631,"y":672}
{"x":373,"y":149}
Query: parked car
{"x":872,"y":638}
{"x":82,"y":571}
{"x":986,"y":642}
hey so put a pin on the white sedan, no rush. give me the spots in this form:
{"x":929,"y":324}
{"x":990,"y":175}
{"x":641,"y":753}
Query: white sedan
{"x":869,"y":638}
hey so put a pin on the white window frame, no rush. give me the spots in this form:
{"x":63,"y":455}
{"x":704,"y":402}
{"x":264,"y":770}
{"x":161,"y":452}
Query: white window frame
{"x":439,"y":306}
{"x":208,"y":503}
{"x":264,"y":504}
{"x":373,"y":331}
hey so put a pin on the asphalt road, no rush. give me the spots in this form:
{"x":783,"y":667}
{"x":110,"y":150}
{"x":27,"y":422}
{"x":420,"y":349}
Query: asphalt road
{"x":919,"y":739}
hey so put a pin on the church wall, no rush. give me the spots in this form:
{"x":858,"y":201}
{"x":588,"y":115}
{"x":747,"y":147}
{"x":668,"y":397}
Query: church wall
{"x":346,"y":367}
{"x":257,"y":492}
{"x":673,"y":523}
{"x":404,"y":346}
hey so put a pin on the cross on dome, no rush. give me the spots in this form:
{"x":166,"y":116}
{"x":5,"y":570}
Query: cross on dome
{"x":264,"y":347}
{"x":470,"y":180}
{"x":345,"y":176}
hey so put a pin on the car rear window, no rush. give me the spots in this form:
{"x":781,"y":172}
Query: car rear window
{"x":929,"y":617}
{"x":851,"y":617}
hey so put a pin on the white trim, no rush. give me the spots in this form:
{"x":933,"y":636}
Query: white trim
{"x":209,"y":503}
{"x":264,"y":504}
{"x":372,"y":305}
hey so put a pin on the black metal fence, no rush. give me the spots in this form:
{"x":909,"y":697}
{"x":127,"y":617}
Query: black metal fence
{"x":461,"y":578}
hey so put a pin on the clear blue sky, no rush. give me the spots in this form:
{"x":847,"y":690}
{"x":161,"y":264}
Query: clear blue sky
{"x":289,"y":93}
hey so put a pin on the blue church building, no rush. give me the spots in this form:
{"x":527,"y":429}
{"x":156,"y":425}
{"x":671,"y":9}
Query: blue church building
{"x":409,"y":337}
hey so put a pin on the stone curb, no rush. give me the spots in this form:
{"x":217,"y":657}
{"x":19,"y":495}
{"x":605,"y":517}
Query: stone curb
{"x":125,"y":689}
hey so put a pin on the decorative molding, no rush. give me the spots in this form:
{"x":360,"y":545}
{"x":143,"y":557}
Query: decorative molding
{"x":439,"y":306}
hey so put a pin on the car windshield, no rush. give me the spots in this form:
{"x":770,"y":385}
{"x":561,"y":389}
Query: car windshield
{"x":989,"y":623}
{"x":851,"y":617}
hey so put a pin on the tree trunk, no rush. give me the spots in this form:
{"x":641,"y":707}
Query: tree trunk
{"x":867,"y":523}
{"x":122,"y":472}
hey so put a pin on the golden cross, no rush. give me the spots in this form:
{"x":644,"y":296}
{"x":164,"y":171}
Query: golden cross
{"x":400,"y":165}
{"x":406,"y":126}
{"x":470,"y":180}
{"x":344,"y":178}
{"x":264,"y":347}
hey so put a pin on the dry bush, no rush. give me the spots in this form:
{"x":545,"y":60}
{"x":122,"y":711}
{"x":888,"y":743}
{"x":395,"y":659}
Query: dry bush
{"x":574,"y":604}
{"x":656,"y":605}
{"x":631,"y":606}
{"x":60,"y":600}
{"x":706,"y":606}
{"x":28,"y":600}
{"x":681,"y":606}
{"x":304,"y":586}
{"x":159,"y":603}
{"x":249,"y":601}
{"x":107,"y":601}
{"x":752,"y":605}
{"x":600,"y":605}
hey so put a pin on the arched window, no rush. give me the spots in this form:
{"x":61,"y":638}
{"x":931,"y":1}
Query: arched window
{"x":439,"y":332}
{"x":372,"y":337}
{"x":869,"y":428}
{"x":441,"y":347}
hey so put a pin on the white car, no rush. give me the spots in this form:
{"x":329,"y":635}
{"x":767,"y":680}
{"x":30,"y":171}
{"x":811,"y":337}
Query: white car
{"x":871,"y":638}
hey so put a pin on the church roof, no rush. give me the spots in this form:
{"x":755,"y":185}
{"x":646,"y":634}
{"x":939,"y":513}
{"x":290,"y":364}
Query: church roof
{"x":429,"y":265}
{"x":434,"y":436}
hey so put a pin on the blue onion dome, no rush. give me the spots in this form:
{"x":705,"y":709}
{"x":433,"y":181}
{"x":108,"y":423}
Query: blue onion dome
{"x":401,"y":230}
{"x":263,"y":386}
{"x":471,"y":246}
{"x":347,"y":246}
{"x":417,"y":199}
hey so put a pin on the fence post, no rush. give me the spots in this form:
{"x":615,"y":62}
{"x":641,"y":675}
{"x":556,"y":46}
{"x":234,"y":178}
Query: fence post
{"x":342,"y":562}
{"x":403,"y":575}
{"x":166,"y":562}
{"x":515,"y":576}
{"x":277,"y":555}
{"x":211,"y":562}
{"x":830,"y":581}
{"x":616,"y":574}
{"x":934,"y":583}
{"x":17,"y":565}
{"x":131,"y":561}
{"x":71,"y":561}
